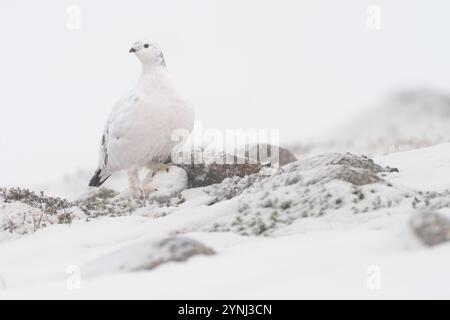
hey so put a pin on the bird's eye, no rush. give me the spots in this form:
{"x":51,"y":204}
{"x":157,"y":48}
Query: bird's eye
{"x":146,"y":45}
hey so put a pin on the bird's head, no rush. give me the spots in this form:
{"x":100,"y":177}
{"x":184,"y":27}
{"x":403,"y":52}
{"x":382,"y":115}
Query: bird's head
{"x":148,"y":53}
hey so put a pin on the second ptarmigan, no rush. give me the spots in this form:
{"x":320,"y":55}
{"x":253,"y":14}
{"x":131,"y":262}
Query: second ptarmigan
{"x":146,"y":125}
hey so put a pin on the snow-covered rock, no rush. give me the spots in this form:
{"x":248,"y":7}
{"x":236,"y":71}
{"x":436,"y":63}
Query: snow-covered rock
{"x":308,"y":188}
{"x":217,"y":167}
{"x":209,"y":167}
{"x":348,"y":159}
{"x":168,"y":183}
{"x":146,"y":255}
{"x":267,"y":153}
{"x":431,"y":228}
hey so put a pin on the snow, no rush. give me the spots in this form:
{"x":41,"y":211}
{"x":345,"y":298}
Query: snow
{"x":426,"y":169}
{"x":361,"y":246}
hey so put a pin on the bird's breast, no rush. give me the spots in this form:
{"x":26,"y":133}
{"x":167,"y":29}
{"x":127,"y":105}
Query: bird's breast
{"x":149,"y":129}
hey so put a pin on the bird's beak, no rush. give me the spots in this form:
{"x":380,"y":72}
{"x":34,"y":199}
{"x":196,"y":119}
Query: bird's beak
{"x":132,"y":50}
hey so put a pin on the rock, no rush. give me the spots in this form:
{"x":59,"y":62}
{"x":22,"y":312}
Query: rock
{"x":262,"y":153}
{"x":147,"y":254}
{"x":357,"y":170}
{"x":200,"y":175}
{"x":430,"y":227}
{"x":178,"y":249}
{"x":214,"y":167}
{"x":355,"y":176}
{"x":271,"y":200}
{"x":286,"y":156}
{"x":234,"y":186}
{"x":348,"y":159}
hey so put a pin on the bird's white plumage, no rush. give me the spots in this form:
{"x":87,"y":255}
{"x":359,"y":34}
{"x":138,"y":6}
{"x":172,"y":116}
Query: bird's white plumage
{"x":140,"y":127}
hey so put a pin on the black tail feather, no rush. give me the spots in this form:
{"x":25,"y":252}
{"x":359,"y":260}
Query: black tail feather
{"x":96,"y":180}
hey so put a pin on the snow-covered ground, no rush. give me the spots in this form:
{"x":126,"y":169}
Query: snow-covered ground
{"x":328,"y":227}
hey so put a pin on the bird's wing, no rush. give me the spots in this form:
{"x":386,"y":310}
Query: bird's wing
{"x":117,"y":112}
{"x":102,"y":173}
{"x":103,"y":158}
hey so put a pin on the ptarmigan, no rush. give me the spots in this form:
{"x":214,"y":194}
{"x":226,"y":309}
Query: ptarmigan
{"x":139,"y":130}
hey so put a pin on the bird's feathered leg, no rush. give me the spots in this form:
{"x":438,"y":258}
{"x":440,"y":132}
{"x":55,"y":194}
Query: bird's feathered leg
{"x":135,"y":185}
{"x":147,"y":182}
{"x":153,"y":168}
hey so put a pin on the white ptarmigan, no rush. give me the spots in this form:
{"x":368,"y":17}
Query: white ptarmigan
{"x":139,"y":130}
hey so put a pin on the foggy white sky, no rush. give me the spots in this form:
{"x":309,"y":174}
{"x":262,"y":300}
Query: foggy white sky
{"x":299,"y":66}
